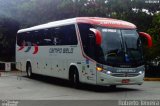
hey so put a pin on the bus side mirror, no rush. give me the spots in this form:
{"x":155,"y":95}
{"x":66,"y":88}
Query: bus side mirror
{"x":97,"y":35}
{"x":148,"y":37}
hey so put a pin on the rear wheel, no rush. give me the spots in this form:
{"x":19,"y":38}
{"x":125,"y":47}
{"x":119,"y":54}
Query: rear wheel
{"x":29,"y":71}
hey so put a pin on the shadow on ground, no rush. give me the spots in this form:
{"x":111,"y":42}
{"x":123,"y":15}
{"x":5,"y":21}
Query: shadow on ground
{"x":94,"y":88}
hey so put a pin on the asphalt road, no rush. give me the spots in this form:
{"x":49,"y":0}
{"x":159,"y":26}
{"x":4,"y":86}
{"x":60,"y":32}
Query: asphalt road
{"x":19,"y":87}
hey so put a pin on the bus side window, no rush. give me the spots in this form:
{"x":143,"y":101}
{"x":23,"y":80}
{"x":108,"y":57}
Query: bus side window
{"x":34,"y":37}
{"x":40,"y":38}
{"x":58,"y":38}
{"x":52,"y":35}
{"x":66,"y":35}
{"x":86,"y":35}
{"x":28,"y":38}
{"x":46,"y":37}
{"x":70,"y":36}
{"x":20,"y":39}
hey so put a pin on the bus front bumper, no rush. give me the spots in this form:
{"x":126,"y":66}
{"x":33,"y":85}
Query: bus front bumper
{"x":104,"y":79}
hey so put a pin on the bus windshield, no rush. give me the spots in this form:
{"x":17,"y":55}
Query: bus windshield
{"x":120,"y":47}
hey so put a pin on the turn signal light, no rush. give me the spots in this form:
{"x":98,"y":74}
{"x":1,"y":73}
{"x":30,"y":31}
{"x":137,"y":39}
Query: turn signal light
{"x":99,"y":69}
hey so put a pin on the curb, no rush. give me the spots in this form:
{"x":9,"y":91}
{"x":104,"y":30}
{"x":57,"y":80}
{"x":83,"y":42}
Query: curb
{"x":151,"y":79}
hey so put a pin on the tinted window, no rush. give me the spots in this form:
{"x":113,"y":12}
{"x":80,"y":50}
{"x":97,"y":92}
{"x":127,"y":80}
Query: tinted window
{"x":45,"y":37}
{"x":20,"y":38}
{"x":64,"y":35}
{"x":85,"y":34}
{"x":24,"y":39}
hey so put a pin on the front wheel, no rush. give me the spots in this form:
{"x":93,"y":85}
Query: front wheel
{"x":74,"y":79}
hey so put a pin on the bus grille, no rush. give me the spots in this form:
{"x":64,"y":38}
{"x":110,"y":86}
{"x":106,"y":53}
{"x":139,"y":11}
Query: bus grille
{"x":124,"y":74}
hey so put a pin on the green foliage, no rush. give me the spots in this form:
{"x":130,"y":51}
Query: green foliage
{"x":8,"y":30}
{"x":33,"y":12}
{"x":155,"y":32}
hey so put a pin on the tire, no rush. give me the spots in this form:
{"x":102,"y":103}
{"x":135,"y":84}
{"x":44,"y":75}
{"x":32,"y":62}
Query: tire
{"x":29,"y":71}
{"x":74,"y":78}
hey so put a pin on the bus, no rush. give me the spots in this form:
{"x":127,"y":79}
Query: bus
{"x":92,"y":50}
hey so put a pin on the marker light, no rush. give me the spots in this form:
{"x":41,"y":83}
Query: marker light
{"x":99,"y":69}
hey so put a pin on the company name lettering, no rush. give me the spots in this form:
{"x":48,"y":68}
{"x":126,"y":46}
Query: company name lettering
{"x":61,"y":50}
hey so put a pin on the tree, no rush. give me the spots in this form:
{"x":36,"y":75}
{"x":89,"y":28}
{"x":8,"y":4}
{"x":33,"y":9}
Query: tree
{"x":8,"y":30}
{"x":33,"y":12}
{"x":155,"y":32}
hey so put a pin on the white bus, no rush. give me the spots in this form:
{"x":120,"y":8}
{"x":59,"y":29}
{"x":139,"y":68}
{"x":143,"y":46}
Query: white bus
{"x":91,"y":50}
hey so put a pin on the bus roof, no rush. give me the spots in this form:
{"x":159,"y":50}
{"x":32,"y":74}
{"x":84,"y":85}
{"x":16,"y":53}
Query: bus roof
{"x":106,"y":22}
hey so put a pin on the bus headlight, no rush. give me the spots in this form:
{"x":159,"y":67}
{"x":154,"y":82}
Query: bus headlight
{"x":109,"y":72}
{"x":140,"y":72}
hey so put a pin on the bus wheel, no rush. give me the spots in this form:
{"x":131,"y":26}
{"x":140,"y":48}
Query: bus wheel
{"x":74,"y":78}
{"x":29,"y":71}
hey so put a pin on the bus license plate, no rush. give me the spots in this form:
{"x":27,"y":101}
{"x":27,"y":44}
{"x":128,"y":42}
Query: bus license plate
{"x":125,"y":81}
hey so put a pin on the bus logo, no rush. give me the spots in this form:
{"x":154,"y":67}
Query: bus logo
{"x":29,"y":48}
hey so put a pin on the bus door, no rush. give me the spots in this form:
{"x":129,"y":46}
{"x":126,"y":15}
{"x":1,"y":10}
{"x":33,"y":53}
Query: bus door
{"x":88,"y":65}
{"x":88,"y":72}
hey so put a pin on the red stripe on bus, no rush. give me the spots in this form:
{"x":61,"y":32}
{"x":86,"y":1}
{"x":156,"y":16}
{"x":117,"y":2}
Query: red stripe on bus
{"x":35,"y":49}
